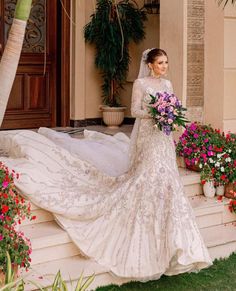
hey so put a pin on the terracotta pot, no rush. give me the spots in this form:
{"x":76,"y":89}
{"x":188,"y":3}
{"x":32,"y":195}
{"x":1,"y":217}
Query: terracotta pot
{"x":194,"y":168}
{"x":208,"y":189}
{"x":113,"y":116}
{"x":2,"y":276}
{"x":230,"y":189}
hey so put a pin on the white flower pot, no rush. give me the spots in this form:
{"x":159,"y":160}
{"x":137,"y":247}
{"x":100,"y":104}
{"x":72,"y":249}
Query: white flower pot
{"x":112,"y":116}
{"x":209,"y":189}
{"x":220,"y":190}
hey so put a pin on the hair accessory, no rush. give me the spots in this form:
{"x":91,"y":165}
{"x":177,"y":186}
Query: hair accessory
{"x":145,"y":53}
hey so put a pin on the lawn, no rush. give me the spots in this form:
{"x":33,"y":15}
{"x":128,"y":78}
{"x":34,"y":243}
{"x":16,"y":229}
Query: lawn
{"x":220,"y":276}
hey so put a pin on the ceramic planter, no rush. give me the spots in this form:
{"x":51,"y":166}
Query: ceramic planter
{"x":220,"y":190}
{"x":209,"y":189}
{"x":113,"y":116}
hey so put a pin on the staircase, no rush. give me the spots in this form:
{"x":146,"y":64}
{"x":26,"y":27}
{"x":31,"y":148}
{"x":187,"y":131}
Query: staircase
{"x":54,"y":250}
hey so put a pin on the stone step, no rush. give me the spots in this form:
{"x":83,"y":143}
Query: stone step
{"x":211,"y":211}
{"x":191,"y":181}
{"x":49,"y":242}
{"x":71,"y":268}
{"x":41,"y":216}
{"x":220,"y":240}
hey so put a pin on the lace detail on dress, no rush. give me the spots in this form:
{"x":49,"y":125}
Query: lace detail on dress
{"x":138,"y":225}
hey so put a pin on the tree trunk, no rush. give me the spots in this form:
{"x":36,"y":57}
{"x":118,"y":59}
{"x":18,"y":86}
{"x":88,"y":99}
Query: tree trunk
{"x":12,"y":51}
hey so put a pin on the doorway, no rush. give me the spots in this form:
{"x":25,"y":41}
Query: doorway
{"x":40,"y":93}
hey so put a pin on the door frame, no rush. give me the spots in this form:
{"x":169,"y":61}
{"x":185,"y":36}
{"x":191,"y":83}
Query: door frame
{"x":65,"y":64}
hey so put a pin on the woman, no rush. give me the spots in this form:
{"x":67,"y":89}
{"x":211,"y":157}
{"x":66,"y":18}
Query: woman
{"x":139,"y":224}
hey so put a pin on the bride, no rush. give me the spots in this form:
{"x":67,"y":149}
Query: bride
{"x":136,"y":222}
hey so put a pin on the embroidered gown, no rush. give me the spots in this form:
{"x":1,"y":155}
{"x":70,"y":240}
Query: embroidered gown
{"x":138,"y":224}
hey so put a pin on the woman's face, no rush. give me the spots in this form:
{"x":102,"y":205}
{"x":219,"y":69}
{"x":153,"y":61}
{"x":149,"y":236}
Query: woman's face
{"x":159,"y":66}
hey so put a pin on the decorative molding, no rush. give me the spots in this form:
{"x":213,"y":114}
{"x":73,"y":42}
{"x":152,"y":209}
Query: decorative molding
{"x":35,"y":31}
{"x":195,"y":113}
{"x":195,"y":59}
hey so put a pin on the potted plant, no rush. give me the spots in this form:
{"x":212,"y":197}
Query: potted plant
{"x":207,"y":181}
{"x":112,"y":27}
{"x":13,"y":209}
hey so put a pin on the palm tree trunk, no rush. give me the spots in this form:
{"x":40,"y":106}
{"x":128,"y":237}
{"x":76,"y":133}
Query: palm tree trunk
{"x":12,"y":51}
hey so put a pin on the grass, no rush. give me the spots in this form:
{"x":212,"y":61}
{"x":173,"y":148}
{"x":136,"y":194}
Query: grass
{"x":221,"y":276}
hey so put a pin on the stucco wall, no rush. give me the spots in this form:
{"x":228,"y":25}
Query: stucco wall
{"x":86,"y":81}
{"x":229,"y":112}
{"x":214,"y":65}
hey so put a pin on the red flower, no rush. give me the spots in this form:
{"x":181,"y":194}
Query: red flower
{"x":203,"y":182}
{"x":219,"y":198}
{"x":5,"y":208}
{"x":223,"y":177}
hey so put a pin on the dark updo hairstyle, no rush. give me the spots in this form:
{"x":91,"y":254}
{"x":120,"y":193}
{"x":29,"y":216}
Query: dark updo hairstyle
{"x":154,"y":53}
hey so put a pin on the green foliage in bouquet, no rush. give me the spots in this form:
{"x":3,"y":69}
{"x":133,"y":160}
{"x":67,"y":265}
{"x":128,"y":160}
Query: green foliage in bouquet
{"x":13,"y":209}
{"x":112,"y":27}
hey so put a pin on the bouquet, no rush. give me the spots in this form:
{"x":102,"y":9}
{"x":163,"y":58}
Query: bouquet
{"x":167,"y":112}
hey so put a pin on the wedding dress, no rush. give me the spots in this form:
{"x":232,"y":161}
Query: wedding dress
{"x":138,"y":224}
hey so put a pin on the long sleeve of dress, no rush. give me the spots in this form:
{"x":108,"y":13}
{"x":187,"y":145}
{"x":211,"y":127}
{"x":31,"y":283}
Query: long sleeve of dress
{"x":137,"y":109}
{"x":169,"y":86}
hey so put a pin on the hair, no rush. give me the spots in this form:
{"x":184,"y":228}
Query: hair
{"x":154,"y":53}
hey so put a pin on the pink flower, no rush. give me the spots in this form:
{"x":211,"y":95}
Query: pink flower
{"x":170,"y":121}
{"x":195,"y":135}
{"x":193,"y":126}
{"x":5,"y":184}
{"x":1,"y":237}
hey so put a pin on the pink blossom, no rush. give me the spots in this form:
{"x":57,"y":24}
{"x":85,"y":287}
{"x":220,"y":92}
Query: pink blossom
{"x":5,"y":184}
{"x":195,"y":135}
{"x":193,"y":126}
{"x":170,"y":121}
{"x":187,"y":161}
{"x":1,"y":237}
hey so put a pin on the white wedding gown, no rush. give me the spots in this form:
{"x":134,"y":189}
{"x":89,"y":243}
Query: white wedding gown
{"x":138,"y":224}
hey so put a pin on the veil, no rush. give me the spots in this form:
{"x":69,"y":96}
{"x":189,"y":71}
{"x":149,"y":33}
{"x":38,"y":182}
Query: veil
{"x":144,"y":71}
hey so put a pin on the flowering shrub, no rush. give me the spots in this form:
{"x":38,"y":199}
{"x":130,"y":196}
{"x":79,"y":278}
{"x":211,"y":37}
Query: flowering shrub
{"x":13,"y":209}
{"x":232,"y":205}
{"x":201,"y":144}
{"x":167,"y":112}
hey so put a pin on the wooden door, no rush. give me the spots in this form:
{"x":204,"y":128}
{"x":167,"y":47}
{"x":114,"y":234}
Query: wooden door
{"x":33,"y":99}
